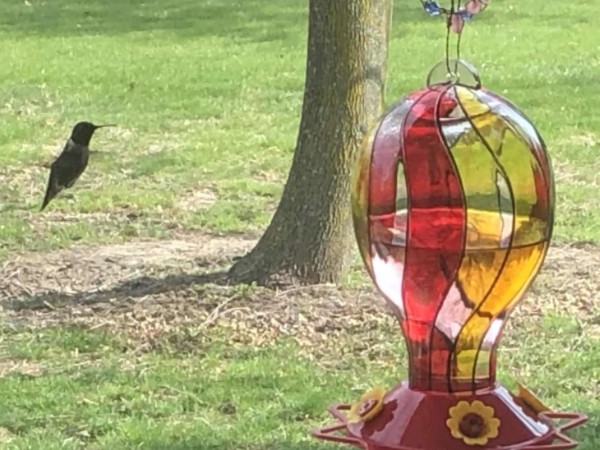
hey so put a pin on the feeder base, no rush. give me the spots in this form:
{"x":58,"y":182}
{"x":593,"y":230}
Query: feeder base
{"x":417,"y":420}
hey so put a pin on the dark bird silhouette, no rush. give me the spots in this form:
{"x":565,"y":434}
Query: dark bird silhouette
{"x":73,"y":160}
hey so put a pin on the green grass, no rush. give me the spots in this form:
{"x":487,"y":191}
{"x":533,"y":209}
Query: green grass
{"x":207,"y":95}
{"x":221,"y":396}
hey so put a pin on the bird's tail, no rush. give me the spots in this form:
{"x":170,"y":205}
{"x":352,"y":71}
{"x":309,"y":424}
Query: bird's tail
{"x":50,"y":194}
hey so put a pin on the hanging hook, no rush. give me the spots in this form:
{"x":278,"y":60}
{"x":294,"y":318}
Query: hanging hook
{"x":456,"y":17}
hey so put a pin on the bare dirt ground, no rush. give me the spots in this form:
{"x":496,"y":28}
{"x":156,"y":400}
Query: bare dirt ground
{"x":152,"y":289}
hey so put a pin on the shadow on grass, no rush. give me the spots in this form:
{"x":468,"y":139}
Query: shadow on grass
{"x":254,"y":20}
{"x":136,"y":288}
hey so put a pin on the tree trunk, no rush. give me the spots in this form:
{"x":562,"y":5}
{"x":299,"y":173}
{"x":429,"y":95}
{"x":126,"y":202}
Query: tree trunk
{"x":309,"y":238}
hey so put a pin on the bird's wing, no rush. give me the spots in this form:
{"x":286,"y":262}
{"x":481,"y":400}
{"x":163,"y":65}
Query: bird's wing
{"x":66,"y":169}
{"x":70,"y":164}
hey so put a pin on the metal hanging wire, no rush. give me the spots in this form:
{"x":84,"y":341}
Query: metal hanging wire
{"x":453,"y":14}
{"x":456,"y":17}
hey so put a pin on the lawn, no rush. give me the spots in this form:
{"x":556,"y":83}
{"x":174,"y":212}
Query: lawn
{"x":115,"y":331}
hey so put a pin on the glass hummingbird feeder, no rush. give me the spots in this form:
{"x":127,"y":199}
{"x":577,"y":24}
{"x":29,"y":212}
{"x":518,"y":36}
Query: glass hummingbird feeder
{"x":453,"y":209}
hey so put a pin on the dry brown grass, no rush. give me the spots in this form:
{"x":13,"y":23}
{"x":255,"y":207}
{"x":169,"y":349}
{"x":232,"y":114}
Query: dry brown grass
{"x":177,"y":289}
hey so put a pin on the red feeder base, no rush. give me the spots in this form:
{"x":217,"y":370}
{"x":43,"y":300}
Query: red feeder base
{"x":417,"y":420}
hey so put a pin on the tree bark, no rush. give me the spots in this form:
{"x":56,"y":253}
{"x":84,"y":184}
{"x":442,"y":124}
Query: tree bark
{"x":310,"y":237}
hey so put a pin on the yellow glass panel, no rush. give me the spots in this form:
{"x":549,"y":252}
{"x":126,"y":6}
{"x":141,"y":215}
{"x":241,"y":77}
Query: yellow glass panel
{"x":490,"y":272}
{"x":479,"y":174}
{"x":478,"y":271}
{"x":482,"y":262}
{"x":466,"y":359}
{"x":520,"y":264}
{"x":470,"y":102}
{"x":475,"y":165}
{"x":517,"y":160}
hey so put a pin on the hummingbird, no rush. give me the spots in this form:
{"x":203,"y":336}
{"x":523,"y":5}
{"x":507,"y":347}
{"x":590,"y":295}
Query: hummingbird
{"x":72,"y":161}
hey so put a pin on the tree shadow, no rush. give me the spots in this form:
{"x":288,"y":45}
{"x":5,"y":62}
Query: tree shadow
{"x":139,"y":287}
{"x":254,"y":20}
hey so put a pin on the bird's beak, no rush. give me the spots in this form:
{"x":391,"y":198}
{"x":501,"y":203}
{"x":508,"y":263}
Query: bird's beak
{"x":104,"y":126}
